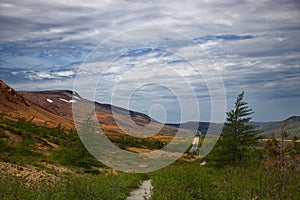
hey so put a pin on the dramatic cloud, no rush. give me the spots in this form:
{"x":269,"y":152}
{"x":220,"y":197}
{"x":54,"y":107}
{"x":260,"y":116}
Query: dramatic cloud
{"x":254,"y":45}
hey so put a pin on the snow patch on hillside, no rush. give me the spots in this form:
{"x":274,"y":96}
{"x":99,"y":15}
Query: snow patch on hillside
{"x":76,"y":97}
{"x":67,"y":101}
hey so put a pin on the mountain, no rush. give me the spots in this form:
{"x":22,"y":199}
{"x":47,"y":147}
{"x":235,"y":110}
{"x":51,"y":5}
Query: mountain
{"x":38,"y":127}
{"x":14,"y":105}
{"x":260,"y":125}
{"x":292,"y":127}
{"x":54,"y":108}
{"x":202,"y":126}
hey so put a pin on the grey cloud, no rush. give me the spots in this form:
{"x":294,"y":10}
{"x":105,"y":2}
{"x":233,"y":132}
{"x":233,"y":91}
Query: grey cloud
{"x":254,"y":44}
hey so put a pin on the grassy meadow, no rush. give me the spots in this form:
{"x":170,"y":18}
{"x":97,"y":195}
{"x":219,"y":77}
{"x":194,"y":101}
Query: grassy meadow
{"x":24,"y":144}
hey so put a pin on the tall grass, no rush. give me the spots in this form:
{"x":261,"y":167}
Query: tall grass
{"x":72,"y":187}
{"x":190,"y":181}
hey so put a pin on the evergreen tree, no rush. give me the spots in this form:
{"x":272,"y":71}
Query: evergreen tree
{"x":238,"y":136}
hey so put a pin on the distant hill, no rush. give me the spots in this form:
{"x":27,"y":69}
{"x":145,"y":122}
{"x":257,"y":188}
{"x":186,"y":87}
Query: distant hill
{"x":59,"y":102}
{"x":292,"y":127}
{"x":202,"y":126}
{"x":214,"y":127}
{"x":38,"y":127}
{"x":14,"y":105}
{"x":260,"y":125}
{"x":54,"y":107}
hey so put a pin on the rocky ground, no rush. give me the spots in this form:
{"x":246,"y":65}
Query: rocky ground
{"x":29,"y":173}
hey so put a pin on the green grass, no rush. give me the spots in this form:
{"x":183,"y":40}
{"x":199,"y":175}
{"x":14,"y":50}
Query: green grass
{"x":190,"y":181}
{"x":181,"y":180}
{"x":73,"y":187}
{"x":127,"y":141}
{"x":71,"y":153}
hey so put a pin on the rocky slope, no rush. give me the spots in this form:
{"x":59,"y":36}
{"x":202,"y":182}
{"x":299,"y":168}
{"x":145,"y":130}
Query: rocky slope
{"x":15,"y":105}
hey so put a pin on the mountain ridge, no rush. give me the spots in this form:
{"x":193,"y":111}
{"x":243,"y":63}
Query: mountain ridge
{"x":14,"y":105}
{"x":292,"y":126}
{"x":54,"y":108}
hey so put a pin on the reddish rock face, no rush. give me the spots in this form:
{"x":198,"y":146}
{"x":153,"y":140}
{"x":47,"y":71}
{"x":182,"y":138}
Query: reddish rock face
{"x":54,"y":107}
{"x":9,"y":94}
{"x":14,"y":105}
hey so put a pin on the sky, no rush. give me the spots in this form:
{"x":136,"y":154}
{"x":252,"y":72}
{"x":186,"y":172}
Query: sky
{"x":177,"y":61}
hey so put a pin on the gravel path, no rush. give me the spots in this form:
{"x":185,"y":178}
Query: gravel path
{"x":142,"y":193}
{"x":195,"y":145}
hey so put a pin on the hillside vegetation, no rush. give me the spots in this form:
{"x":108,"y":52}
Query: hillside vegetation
{"x":51,"y":163}
{"x":292,"y":127}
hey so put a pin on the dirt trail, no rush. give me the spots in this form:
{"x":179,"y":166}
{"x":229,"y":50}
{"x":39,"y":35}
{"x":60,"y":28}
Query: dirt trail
{"x":143,"y":192}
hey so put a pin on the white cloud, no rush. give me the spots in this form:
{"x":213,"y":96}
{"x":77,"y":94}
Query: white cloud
{"x":39,"y":76}
{"x":65,"y":73}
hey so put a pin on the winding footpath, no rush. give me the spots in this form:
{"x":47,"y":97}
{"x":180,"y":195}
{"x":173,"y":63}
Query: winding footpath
{"x":195,"y":144}
{"x":143,"y":192}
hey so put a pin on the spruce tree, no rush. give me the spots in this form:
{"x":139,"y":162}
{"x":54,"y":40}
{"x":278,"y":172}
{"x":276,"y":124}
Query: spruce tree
{"x":238,"y":136}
